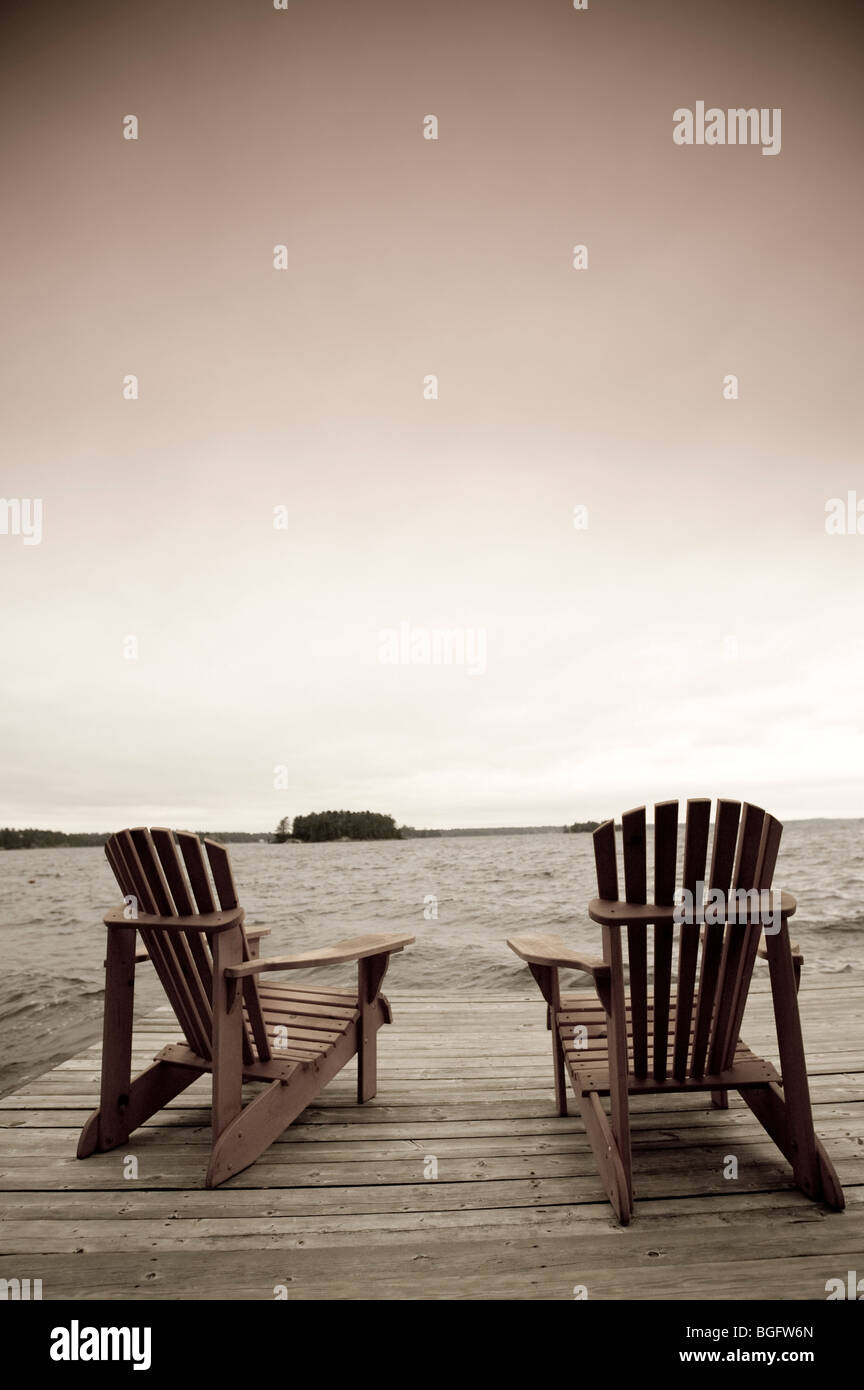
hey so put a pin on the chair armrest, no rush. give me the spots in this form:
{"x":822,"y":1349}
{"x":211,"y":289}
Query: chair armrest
{"x":253,"y":940}
{"x":211,"y":922}
{"x":353,"y":948}
{"x":762,"y":951}
{"x":253,"y":935}
{"x":609,"y":913}
{"x":140,"y":957}
{"x":553,"y":951}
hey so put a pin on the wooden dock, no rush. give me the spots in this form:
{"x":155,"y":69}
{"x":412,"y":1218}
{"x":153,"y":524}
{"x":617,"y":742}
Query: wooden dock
{"x":346,"y":1205}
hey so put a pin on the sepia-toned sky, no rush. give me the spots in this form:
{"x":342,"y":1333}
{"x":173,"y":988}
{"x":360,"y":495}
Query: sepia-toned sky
{"x":703,"y":635}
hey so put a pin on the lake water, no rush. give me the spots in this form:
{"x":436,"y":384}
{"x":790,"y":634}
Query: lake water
{"x":52,"y":900}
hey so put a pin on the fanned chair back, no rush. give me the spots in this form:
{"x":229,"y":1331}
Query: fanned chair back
{"x":695,"y":1033}
{"x":168,"y":875}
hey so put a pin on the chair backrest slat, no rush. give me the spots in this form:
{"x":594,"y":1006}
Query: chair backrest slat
{"x":747,"y":852}
{"x":719,"y":877}
{"x":693,"y":871}
{"x":120,"y":855}
{"x":163,"y":840}
{"x":118,"y":868}
{"x":159,"y":947}
{"x":633,"y":839}
{"x":223,"y":879}
{"x":196,"y":868}
{"x":140,"y":888}
{"x":152,"y":871}
{"x":769,"y":844}
{"x":133,"y":880}
{"x":725,"y":840}
{"x":665,"y":860}
{"x":696,"y":833}
{"x":635,"y":857}
{"x":665,"y":851}
{"x":226,"y":891}
{"x":734,"y":938}
{"x":704,"y":1027}
{"x":637,"y":952}
{"x":147,"y":866}
{"x":772,"y":833}
{"x":605,"y":861}
{"x":186,"y":979}
{"x":663,"y":936}
{"x":184,"y":904}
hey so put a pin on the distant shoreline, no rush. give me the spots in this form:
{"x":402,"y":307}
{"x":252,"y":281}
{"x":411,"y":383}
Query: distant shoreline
{"x":59,"y":839}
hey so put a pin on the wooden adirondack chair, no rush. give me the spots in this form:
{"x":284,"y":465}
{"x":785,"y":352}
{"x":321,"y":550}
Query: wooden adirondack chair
{"x":296,"y":1040}
{"x":643,"y":1042}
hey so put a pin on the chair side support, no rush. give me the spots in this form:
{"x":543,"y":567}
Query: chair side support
{"x":616,"y":1011}
{"x":370,"y":972}
{"x":125,"y":1104}
{"x":793,"y":1064}
{"x":227,"y":1031}
{"x":117,"y":1036}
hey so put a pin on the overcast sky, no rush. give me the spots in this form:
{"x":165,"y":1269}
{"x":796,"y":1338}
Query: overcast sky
{"x":702,"y":636}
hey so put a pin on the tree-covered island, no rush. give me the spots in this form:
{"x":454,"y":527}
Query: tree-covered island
{"x":338,"y":825}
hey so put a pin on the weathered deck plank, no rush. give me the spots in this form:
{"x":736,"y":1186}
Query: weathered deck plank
{"x":340,"y":1206}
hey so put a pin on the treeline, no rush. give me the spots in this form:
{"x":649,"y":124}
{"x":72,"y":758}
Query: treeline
{"x":318,"y":825}
{"x":409,"y":833}
{"x":234,"y":837}
{"x":344,"y":825}
{"x":45,"y":839}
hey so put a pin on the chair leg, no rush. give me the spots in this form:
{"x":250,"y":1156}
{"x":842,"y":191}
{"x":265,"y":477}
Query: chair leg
{"x":772,"y":1111}
{"x":148,"y":1093}
{"x":559,"y":1070}
{"x":616,"y":1023}
{"x":832,"y":1192}
{"x":367,"y":1058}
{"x":547,"y":979}
{"x":252,"y":1131}
{"x":227,"y":1033}
{"x":613,"y":1172}
{"x":801,"y":1137}
{"x":370,"y":973}
{"x":108,"y":1126}
{"x":720,"y":1099}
